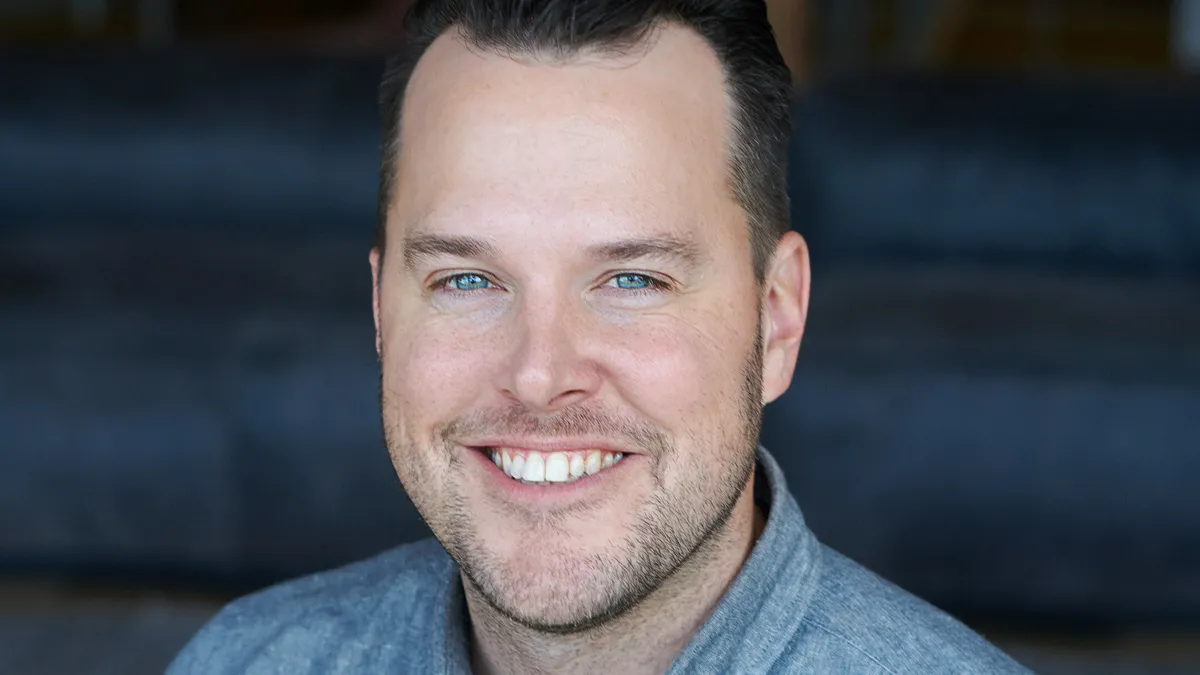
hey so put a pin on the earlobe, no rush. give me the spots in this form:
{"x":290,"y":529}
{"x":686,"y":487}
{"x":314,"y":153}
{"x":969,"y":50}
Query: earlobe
{"x":785,"y":311}
{"x":375,"y":272}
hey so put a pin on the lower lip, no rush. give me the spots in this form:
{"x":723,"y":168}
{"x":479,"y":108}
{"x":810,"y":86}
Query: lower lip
{"x":553,"y":492}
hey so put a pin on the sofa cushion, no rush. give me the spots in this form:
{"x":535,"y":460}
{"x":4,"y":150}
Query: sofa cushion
{"x":1096,"y":176}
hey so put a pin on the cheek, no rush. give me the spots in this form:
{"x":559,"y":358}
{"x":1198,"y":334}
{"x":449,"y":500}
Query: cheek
{"x":684,"y":373}
{"x":429,"y":368}
{"x":687,"y":379}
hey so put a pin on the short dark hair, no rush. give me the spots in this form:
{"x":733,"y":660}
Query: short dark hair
{"x":756,"y":78}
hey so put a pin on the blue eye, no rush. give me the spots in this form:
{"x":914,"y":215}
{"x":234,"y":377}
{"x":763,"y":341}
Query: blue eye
{"x":633,"y":282}
{"x":468,"y":282}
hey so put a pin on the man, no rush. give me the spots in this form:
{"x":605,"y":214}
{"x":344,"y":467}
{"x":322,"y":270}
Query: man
{"x":585,"y":292}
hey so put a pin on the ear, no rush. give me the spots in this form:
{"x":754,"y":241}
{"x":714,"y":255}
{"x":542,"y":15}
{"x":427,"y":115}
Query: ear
{"x":375,"y":271}
{"x":785,"y":310}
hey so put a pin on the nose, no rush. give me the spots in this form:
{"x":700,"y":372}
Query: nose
{"x":547,"y":368}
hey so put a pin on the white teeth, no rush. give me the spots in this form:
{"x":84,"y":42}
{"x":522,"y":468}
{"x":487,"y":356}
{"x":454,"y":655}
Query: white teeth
{"x":535,"y":468}
{"x":592,"y":464}
{"x":558,"y":468}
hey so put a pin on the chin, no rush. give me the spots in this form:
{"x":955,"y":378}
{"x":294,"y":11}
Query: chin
{"x":560,"y":606}
{"x":554,"y":589}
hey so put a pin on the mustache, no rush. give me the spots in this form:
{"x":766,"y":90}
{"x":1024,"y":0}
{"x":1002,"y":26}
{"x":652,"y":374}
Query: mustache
{"x":517,"y":420}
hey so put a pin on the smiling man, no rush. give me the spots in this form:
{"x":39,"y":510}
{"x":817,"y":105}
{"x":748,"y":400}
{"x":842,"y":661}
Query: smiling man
{"x":585,"y":292}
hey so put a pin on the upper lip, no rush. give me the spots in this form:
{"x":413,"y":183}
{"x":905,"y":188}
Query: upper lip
{"x":547,"y":445}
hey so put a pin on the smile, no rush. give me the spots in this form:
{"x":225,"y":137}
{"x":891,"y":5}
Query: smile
{"x":546,"y":468}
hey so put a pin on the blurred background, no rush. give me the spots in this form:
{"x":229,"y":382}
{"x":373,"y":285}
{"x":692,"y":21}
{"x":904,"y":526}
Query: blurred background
{"x":997,"y":404}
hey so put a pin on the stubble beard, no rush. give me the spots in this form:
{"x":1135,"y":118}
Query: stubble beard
{"x":671,"y":530}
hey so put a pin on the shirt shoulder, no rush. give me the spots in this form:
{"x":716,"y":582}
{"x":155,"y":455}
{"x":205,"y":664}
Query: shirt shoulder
{"x":356,"y":619}
{"x":858,"y":622}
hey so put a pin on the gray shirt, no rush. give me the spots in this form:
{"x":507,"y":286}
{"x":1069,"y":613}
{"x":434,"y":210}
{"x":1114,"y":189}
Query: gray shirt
{"x":795,"y":607}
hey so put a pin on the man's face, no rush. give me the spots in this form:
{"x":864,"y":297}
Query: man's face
{"x":568,"y":291}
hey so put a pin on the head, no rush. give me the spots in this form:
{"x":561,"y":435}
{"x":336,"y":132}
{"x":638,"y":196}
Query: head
{"x":583,"y":248}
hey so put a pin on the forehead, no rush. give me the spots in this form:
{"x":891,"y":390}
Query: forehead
{"x":601,"y":141}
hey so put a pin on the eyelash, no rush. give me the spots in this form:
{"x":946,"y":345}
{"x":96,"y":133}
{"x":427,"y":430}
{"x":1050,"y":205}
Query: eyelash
{"x":653,"y":283}
{"x":443,"y":283}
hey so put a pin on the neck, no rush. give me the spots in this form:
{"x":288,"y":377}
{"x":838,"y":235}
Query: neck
{"x":645,"y":640}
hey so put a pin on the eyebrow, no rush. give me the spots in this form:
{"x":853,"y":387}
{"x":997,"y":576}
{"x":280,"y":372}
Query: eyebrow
{"x":665,"y":248}
{"x":421,"y":246}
